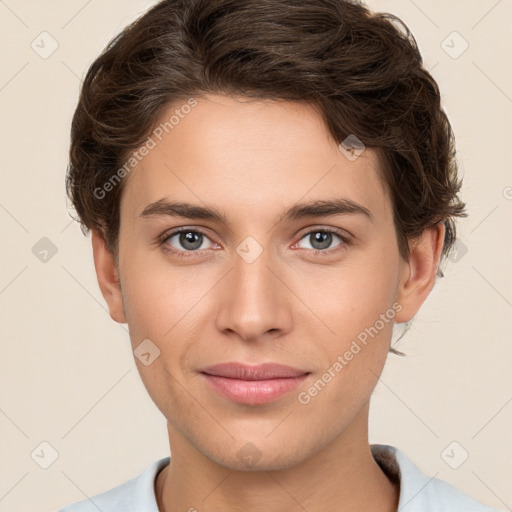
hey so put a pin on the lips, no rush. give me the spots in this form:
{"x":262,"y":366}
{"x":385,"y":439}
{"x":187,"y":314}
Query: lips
{"x":264,"y":371}
{"x":253,"y":385}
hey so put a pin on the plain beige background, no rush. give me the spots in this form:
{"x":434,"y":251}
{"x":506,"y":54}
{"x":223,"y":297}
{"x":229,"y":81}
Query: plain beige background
{"x":67,"y":373}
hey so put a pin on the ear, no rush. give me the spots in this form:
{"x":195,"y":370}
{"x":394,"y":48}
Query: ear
{"x":418,"y":276}
{"x":108,"y":277}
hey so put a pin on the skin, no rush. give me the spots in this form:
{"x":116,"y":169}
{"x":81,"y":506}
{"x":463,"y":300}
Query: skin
{"x":252,"y":160}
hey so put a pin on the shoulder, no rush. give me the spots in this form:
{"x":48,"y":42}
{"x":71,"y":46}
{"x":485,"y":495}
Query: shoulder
{"x":420,"y":493}
{"x":134,"y":495}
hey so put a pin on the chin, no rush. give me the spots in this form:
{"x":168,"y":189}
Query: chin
{"x":257,"y":455}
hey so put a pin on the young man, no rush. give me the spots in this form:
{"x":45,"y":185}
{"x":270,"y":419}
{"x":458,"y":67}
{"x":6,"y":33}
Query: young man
{"x":270,"y":186}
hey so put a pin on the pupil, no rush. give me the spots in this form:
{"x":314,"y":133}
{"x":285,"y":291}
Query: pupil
{"x":322,"y":239}
{"x":190,"y":240}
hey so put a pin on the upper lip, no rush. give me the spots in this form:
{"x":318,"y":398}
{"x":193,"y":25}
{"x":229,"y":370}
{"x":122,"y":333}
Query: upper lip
{"x":265,"y":371}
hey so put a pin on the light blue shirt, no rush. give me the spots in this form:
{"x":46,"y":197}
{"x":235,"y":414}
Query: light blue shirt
{"x":418,"y":492}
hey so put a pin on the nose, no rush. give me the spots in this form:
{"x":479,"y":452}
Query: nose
{"x":254,"y":300}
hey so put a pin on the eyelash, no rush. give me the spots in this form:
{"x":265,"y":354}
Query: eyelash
{"x":192,"y":254}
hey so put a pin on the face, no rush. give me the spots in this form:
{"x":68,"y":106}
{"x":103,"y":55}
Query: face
{"x":288,"y":257}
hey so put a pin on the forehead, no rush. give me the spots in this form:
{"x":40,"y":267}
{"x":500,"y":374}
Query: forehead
{"x":250,"y":155}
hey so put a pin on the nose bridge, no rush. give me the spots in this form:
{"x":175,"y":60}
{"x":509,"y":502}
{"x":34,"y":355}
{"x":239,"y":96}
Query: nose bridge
{"x":254,"y":300}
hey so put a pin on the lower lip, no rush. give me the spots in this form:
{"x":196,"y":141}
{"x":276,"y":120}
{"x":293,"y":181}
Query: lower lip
{"x":254,"y":392}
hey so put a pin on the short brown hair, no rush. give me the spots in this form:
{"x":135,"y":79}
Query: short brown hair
{"x":362,"y":71}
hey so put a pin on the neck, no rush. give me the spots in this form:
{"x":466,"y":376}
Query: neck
{"x":341,"y":476}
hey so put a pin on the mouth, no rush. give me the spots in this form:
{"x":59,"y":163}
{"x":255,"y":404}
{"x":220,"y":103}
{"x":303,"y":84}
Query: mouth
{"x":253,"y":385}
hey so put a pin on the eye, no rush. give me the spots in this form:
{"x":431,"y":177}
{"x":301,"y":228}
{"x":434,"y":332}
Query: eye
{"x":185,"y":240}
{"x":320,"y":240}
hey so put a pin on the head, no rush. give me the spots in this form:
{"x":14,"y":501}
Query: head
{"x":303,"y":148}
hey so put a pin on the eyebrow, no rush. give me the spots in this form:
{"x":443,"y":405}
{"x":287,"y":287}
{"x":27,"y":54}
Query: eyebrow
{"x":321,"y":208}
{"x":318,"y":208}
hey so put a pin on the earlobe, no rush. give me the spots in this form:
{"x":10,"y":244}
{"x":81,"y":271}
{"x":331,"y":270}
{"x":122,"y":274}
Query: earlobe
{"x":108,"y":278}
{"x":418,"y":276}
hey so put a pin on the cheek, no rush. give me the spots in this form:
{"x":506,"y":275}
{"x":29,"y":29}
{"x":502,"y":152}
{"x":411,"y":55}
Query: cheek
{"x":359,"y":308}
{"x":157,"y":297}
{"x":158,"y":309}
{"x":169,"y":307}
{"x":353,"y":358}
{"x":355,"y":294}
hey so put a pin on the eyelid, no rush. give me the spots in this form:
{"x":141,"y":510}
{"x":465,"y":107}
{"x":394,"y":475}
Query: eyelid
{"x":342,"y":233}
{"x":183,"y":254}
{"x":174,"y":231}
{"x":346,"y":239}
